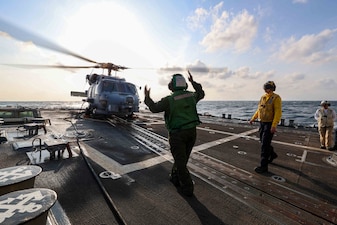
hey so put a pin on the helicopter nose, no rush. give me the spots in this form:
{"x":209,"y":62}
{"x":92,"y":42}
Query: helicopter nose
{"x":129,"y":100}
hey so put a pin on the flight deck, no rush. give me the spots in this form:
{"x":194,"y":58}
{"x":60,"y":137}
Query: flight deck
{"x":117,"y":173}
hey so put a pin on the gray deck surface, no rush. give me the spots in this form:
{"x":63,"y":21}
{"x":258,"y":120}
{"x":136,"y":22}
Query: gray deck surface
{"x":300,"y":187}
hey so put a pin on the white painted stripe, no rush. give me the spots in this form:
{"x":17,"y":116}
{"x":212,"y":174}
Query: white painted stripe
{"x":101,"y":159}
{"x":111,"y":165}
{"x":222,"y":140}
{"x":304,"y":156}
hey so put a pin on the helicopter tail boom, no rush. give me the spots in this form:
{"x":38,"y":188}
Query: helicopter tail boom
{"x":78,"y":94}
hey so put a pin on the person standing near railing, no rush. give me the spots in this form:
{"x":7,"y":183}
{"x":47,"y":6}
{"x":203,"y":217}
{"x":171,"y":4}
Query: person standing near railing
{"x":325,"y":117}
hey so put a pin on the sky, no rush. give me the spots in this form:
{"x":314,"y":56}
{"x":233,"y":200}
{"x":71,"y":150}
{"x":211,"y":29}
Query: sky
{"x":231,"y":47}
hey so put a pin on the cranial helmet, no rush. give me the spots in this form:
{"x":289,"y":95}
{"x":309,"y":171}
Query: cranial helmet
{"x":325,"y":102}
{"x":177,"y":82}
{"x":269,"y":85}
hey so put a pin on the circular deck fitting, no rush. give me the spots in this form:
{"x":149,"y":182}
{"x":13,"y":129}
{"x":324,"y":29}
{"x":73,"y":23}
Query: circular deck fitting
{"x":29,"y":206}
{"x":242,"y":153}
{"x":109,"y":174}
{"x":135,"y":147}
{"x":331,"y":160}
{"x":17,"y":178}
{"x":291,"y":154}
{"x":278,"y":178}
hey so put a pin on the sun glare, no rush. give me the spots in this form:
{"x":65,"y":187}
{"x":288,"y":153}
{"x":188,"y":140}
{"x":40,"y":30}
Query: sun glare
{"x":107,"y":31}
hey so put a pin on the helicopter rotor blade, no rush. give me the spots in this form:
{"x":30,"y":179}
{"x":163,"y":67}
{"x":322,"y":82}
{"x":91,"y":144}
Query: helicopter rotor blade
{"x":24,"y":35}
{"x":193,"y":69}
{"x":111,"y":66}
{"x":51,"y":66}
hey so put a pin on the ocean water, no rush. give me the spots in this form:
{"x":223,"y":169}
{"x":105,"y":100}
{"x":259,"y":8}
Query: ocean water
{"x":301,"y":112}
{"x":46,"y":104}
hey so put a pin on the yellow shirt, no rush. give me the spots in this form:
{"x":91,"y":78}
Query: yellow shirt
{"x":269,"y":109}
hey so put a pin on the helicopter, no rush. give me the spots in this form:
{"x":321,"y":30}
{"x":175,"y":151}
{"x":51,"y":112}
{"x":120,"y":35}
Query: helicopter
{"x":106,"y":96}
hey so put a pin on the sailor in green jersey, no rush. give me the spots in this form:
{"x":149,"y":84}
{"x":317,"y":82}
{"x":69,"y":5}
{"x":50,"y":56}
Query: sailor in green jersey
{"x":181,"y":119}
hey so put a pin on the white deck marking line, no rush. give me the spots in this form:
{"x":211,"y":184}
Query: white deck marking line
{"x":304,"y":156}
{"x":308,"y":148}
{"x":312,"y":149}
{"x":146,"y":163}
{"x":101,"y":159}
{"x":222,"y":140}
{"x":111,"y":165}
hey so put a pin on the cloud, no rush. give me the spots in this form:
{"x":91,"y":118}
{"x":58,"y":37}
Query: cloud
{"x":235,"y":33}
{"x":197,"y":20}
{"x":297,"y":77}
{"x":309,"y":48}
{"x":22,"y":44}
{"x":327,"y":83}
{"x":294,"y":81}
{"x":4,"y":34}
{"x":227,"y":31}
{"x":196,"y":67}
{"x":245,"y":73}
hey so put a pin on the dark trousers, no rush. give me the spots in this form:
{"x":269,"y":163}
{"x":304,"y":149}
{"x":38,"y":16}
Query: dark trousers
{"x":265,"y":137}
{"x":181,"y":144}
{"x":335,"y":147}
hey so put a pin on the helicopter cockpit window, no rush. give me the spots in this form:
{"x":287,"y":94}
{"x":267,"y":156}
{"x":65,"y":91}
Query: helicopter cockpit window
{"x":121,"y":87}
{"x":109,"y":86}
{"x":131,"y":88}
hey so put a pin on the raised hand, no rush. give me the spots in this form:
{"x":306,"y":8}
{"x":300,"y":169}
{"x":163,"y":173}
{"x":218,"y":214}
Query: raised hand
{"x":147,"y":91}
{"x":190,"y":78}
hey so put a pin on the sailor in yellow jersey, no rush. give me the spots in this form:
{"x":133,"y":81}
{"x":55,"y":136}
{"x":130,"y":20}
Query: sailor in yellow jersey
{"x":269,"y":113}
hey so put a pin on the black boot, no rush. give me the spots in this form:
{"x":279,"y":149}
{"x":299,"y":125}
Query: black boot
{"x":261,"y":169}
{"x":174,"y":179}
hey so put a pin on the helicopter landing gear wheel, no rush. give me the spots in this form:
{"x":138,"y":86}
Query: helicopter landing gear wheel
{"x":90,"y":112}
{"x":87,"y":112}
{"x":130,"y":116}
